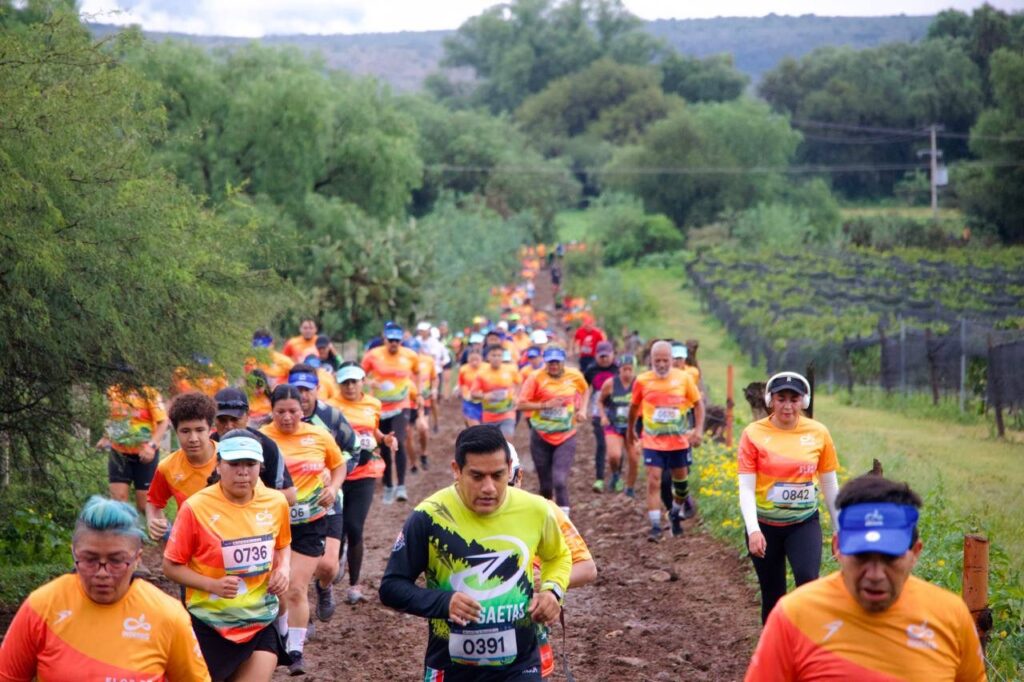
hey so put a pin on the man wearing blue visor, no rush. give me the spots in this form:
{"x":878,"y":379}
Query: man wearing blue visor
{"x":871,"y":620}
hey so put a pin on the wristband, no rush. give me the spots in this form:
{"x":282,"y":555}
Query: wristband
{"x":555,"y":589}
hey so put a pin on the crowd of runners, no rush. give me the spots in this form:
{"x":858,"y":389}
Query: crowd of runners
{"x":274,"y":477}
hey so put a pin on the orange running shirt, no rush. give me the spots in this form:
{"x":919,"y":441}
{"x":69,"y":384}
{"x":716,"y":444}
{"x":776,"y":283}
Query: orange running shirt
{"x":307,"y":453}
{"x":664,"y":403}
{"x":186,"y":380}
{"x":327,"y":387}
{"x":133,"y":417}
{"x":555,"y":425}
{"x":467,"y":374}
{"x":819,"y":633}
{"x":391,"y":376}
{"x":278,"y":368}
{"x":298,"y":349}
{"x":216,"y":537}
{"x":364,"y":416}
{"x":60,"y":634}
{"x":428,"y":377}
{"x":500,"y":386}
{"x":787,"y":462}
{"x":176,"y":477}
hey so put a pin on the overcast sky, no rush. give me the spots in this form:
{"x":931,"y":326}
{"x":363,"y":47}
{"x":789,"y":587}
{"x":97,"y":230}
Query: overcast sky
{"x":261,"y":17}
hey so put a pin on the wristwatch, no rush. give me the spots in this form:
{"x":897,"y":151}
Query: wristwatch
{"x":556,"y":590}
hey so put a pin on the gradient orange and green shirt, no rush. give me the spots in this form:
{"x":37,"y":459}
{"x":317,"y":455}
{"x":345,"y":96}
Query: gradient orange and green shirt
{"x":555,"y":425}
{"x":178,"y":478}
{"x":428,"y":377}
{"x":276,"y":370}
{"x":133,"y":417}
{"x":364,"y":416}
{"x":499,"y":388}
{"x":664,"y":402}
{"x":787,"y":463}
{"x":307,"y":453}
{"x":327,"y":388}
{"x":467,"y":374}
{"x":820,"y":633}
{"x":186,"y":380}
{"x":392,"y":376}
{"x":216,"y":537}
{"x":60,"y":634}
{"x":299,"y":348}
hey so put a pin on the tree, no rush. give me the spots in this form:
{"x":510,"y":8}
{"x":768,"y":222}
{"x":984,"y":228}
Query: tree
{"x":626,"y":233}
{"x":713,"y":79}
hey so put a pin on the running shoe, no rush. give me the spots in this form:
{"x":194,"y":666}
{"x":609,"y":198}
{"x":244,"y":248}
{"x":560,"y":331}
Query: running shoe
{"x":676,"y":518}
{"x":354,"y":595}
{"x":311,"y":630}
{"x":617,"y":483}
{"x":689,"y":507}
{"x":342,"y":565}
{"x":424,"y":462}
{"x":630,"y":493}
{"x":414,"y":469}
{"x":324,"y":601}
{"x":598,"y":486}
{"x":297,"y":666}
{"x":655,"y":534}
{"x":401,"y":494}
{"x":389,"y":495}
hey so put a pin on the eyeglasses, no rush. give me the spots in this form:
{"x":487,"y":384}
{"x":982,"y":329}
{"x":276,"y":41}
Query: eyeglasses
{"x":233,"y":405}
{"x":115,"y":567}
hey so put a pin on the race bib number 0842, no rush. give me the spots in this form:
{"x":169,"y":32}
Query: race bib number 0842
{"x":793,"y":495}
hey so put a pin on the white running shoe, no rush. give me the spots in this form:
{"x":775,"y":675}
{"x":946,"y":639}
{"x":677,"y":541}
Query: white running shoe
{"x":401,"y":494}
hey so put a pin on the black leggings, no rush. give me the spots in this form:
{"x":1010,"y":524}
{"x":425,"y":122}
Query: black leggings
{"x":601,"y":448}
{"x":398,"y":426}
{"x":357,"y":500}
{"x":553,"y":463}
{"x":801,"y":544}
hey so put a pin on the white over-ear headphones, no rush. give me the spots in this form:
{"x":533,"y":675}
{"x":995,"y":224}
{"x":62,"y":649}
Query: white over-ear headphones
{"x":805,"y":403}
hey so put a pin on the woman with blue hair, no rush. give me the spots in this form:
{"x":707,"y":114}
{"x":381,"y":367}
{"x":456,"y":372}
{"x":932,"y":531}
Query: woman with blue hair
{"x":99,"y":622}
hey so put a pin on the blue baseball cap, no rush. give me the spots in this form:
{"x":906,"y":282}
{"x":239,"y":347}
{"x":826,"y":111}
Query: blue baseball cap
{"x":554,"y":355}
{"x":393,"y":332}
{"x":533,"y":352}
{"x":304,"y":379}
{"x":882,"y":527}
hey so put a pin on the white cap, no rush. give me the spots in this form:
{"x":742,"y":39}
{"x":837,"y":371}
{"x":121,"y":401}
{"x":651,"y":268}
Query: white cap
{"x":539,"y":337}
{"x":503,"y":325}
{"x":514,"y":465}
{"x":435,"y":333}
{"x":423,"y":327}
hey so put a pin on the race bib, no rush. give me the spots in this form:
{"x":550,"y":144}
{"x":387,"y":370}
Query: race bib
{"x":247,"y":556}
{"x":665,"y":415}
{"x":367,"y":442}
{"x":793,"y":495}
{"x":386,"y":386}
{"x":300,"y":513}
{"x":493,"y":646}
{"x":499,"y":395}
{"x":555,"y":414}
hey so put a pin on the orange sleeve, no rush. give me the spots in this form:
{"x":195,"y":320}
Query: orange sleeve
{"x":692,"y":392}
{"x":774,"y":656}
{"x":367,"y":362}
{"x":746,"y":455}
{"x":972,"y":664}
{"x":284,"y":538}
{"x":159,"y":491}
{"x":529,"y":389}
{"x":638,"y":392}
{"x":828,"y":461}
{"x":181,"y":546}
{"x":184,"y":659}
{"x":332,"y":456}
{"x":21,"y":644}
{"x":156,"y":406}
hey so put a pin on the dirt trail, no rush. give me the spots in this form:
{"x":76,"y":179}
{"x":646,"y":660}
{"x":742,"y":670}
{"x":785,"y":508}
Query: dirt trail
{"x":678,"y":610}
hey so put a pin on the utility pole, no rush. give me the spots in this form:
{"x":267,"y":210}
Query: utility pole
{"x":935,"y":170}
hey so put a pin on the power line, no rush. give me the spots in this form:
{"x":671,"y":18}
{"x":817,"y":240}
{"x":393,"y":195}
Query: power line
{"x":915,"y":132}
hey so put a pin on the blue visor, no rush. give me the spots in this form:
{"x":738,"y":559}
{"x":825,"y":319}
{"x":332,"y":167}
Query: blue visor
{"x":877,"y":527}
{"x":533,"y":352}
{"x":233,"y":449}
{"x":303,"y":379}
{"x":262,"y":341}
{"x":554,"y":355}
{"x":393,"y":334}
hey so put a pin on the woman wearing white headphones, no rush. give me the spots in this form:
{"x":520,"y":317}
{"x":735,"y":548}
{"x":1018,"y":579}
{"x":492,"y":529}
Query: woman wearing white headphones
{"x":780,"y":457}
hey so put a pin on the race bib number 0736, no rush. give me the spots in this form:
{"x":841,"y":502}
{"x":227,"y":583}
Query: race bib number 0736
{"x":247,"y":556}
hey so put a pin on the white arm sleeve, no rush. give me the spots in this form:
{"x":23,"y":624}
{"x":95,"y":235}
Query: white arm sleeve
{"x":829,"y":490}
{"x":748,"y":502}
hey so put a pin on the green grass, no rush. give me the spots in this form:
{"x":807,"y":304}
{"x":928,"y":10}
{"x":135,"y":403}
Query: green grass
{"x":571,"y":226}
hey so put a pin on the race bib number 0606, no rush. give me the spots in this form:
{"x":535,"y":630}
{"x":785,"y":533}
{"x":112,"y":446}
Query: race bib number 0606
{"x":493,"y":646}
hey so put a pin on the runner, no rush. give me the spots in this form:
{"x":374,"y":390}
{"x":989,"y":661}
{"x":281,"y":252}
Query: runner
{"x":779,"y":458}
{"x":135,"y":426}
{"x":329,"y":358}
{"x":277,"y":369}
{"x":309,"y":451}
{"x":363,"y":412}
{"x":613,"y":415}
{"x":871,"y":620}
{"x":184,"y":472}
{"x":303,"y":345}
{"x":556,"y":395}
{"x":229,"y":549}
{"x":327,"y":386}
{"x":482,"y":615}
{"x":681,"y":361}
{"x":495,"y":386}
{"x":100,"y":623}
{"x":603,"y":369}
{"x":584,"y":342}
{"x":663,"y":396}
{"x":392,"y":371}
{"x":472,"y":411}
{"x":419,"y":418}
{"x":233,"y":413}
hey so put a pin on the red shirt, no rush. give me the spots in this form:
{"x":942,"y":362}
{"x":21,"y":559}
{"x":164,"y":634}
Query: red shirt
{"x":587,"y":338}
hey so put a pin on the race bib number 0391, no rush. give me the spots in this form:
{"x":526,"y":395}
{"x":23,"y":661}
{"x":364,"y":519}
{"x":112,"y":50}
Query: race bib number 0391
{"x":793,"y":495}
{"x":493,"y":646}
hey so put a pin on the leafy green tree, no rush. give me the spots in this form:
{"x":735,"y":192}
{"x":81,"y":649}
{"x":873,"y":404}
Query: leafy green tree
{"x":706,"y":158}
{"x":712,"y":79}
{"x":626,"y":233}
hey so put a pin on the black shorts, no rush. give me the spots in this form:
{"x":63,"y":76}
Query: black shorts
{"x":414,"y":414}
{"x":310,"y":538}
{"x":224,"y":657}
{"x":123,"y":468}
{"x":334,"y":527}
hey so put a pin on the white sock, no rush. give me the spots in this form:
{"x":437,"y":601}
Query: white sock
{"x":282,"y":625}
{"x":655,"y":517}
{"x":296,"y":639}
{"x":565,"y":510}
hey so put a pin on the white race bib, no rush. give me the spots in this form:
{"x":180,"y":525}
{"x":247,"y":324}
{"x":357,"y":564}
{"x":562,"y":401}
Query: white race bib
{"x":301,"y":512}
{"x":665,"y":415}
{"x":247,"y":556}
{"x":793,"y":495}
{"x":555,"y":414}
{"x":499,"y":395}
{"x":493,"y":646}
{"x":367,"y":442}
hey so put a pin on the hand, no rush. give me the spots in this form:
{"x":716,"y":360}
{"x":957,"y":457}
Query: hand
{"x":694,"y":438}
{"x":552,"y":404}
{"x":581,"y":417}
{"x":544,"y":607}
{"x":226,"y":587}
{"x":391,"y":441}
{"x":278,"y":583}
{"x":463,"y":609}
{"x":757,"y":544}
{"x":605,"y":422}
{"x":835,"y":546}
{"x":326,"y":499}
{"x":103,"y":443}
{"x":147,"y":453}
{"x":157,"y":528}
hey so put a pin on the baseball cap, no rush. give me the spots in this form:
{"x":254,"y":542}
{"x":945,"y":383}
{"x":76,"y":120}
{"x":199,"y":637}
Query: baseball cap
{"x":476,"y":337}
{"x":262,"y":340}
{"x":393,"y":332}
{"x":554,"y":355}
{"x":231,"y":402}
{"x":787,"y":381}
{"x":349,"y":373}
{"x":605,"y":348}
{"x":539,"y":337}
{"x":423,"y":327}
{"x":240,"y":447}
{"x":304,"y":379}
{"x":882,"y":527}
{"x":627,"y":359}
{"x":533,"y":352}
{"x":514,"y":465}
{"x":679,"y":351}
{"x":413,"y":344}
{"x":322,"y":341}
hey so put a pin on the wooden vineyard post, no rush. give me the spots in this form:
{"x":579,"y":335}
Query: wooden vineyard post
{"x":975,"y":583}
{"x":728,"y":405}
